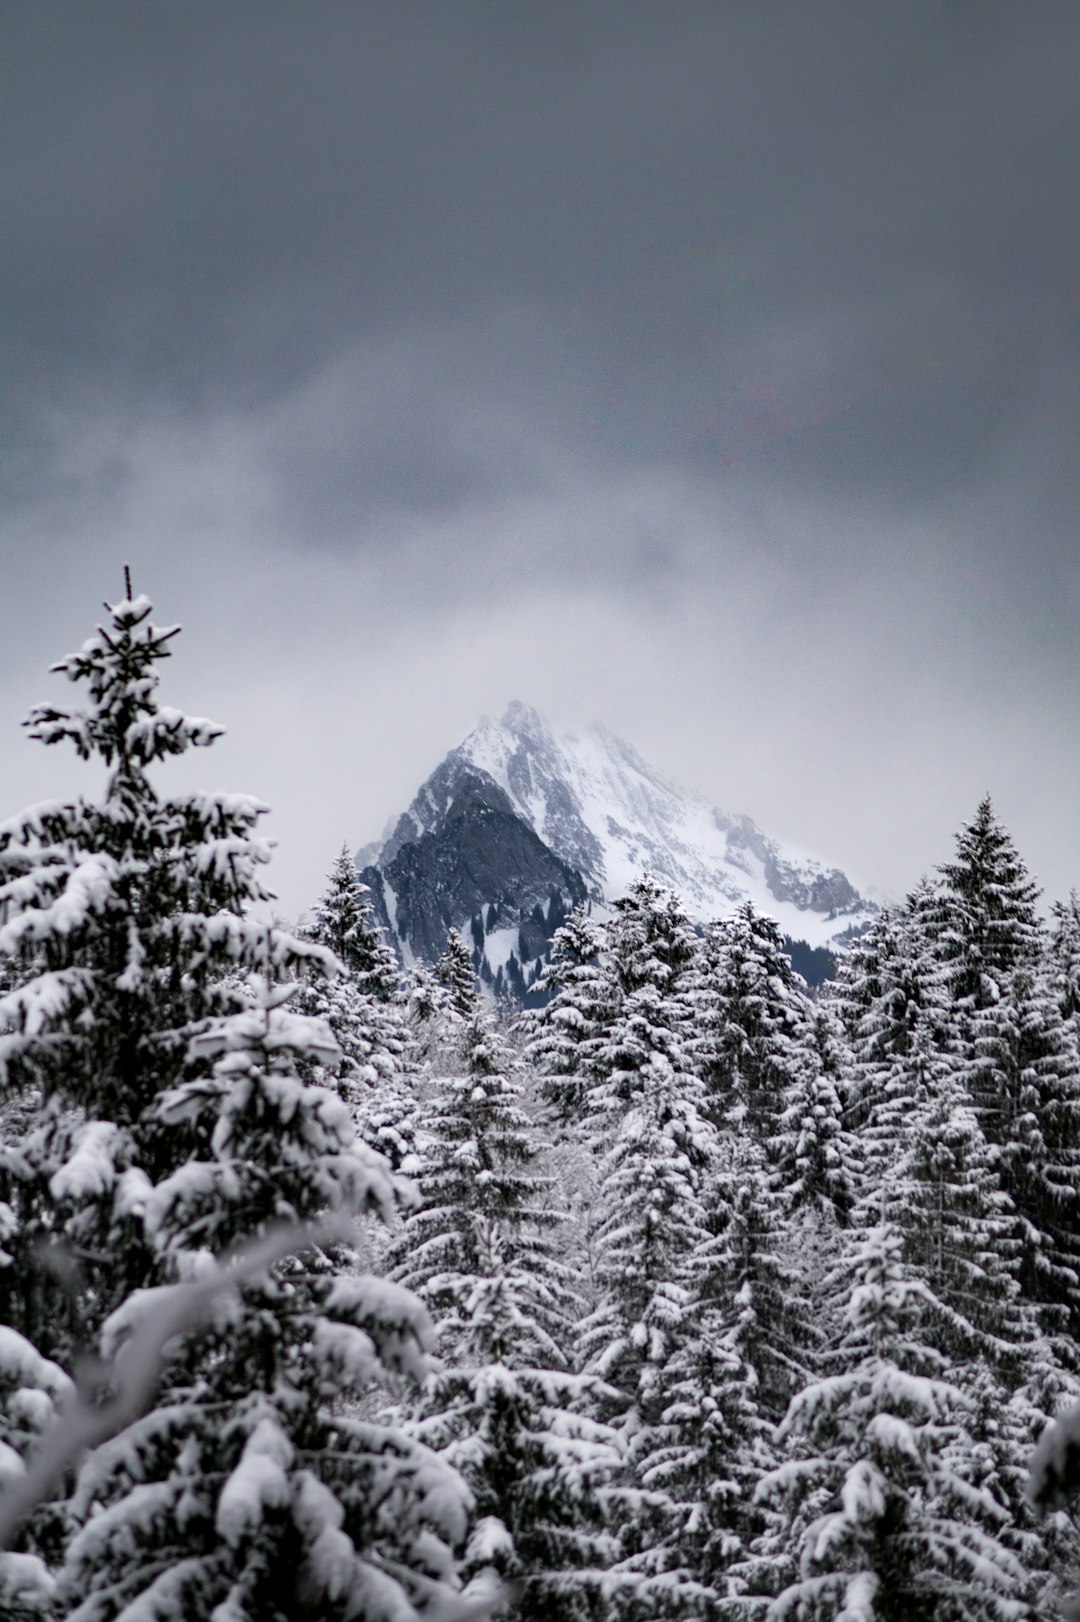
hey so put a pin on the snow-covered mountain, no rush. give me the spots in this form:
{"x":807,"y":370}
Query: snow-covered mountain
{"x":519,"y":823}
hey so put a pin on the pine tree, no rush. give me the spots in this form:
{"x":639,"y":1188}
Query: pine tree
{"x":643,"y":1117}
{"x":959,"y":1226}
{"x":1065,"y":956}
{"x":712,"y":1440}
{"x":170,"y":1122}
{"x":122,"y":920}
{"x":1022,"y":1064}
{"x":344,"y":921}
{"x":987,"y":922}
{"x":455,"y":973}
{"x":812,"y":1153}
{"x":750,"y":1013}
{"x":882,"y":1515}
{"x":1024,"y":1056}
{"x":249,"y":1492}
{"x":758,"y":1270}
{"x":579,"y":1005}
{"x":504,"y":1408}
{"x":364,"y":1009}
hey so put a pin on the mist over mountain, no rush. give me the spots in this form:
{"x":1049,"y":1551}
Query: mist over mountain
{"x":520,"y":822}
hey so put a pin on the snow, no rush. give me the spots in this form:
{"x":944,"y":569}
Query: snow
{"x":489,"y":1540}
{"x":499,"y":945}
{"x":23,"y":1365}
{"x":87,"y":890}
{"x":91,"y":1169}
{"x":25,"y":1580}
{"x":627,"y":819}
{"x":258,"y":1483}
{"x":1055,"y":1466}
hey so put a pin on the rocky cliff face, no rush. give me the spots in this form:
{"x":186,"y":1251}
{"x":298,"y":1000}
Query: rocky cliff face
{"x":518,"y":823}
{"x":478,"y":867}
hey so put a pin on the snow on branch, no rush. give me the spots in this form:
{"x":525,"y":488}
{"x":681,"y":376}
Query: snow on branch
{"x":1054,"y":1479}
{"x":130,"y":1375}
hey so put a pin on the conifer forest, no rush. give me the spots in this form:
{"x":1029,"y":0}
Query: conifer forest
{"x":333,"y":1291}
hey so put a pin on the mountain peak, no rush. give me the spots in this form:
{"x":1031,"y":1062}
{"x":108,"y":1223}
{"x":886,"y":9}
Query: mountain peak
{"x":592,"y":816}
{"x":523,"y":720}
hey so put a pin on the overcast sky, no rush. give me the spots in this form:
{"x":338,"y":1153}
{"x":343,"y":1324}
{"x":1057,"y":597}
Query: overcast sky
{"x":708,"y":369}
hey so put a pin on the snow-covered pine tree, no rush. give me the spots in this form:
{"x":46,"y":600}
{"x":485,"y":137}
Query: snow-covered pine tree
{"x":126,"y":918}
{"x":579,"y":1005}
{"x":122,"y":920}
{"x":940,"y":1187}
{"x":475,"y":1161}
{"x":758,"y":1270}
{"x":932,"y":1173}
{"x":253,"y":1489}
{"x":712,"y":1441}
{"x":888,"y":984}
{"x":1026,"y":1057}
{"x":344,"y":920}
{"x":1021,"y":1057}
{"x":750,"y":1011}
{"x":455,"y":973}
{"x":480,"y":1249}
{"x":651,"y":940}
{"x":986,"y":921}
{"x":653,"y":1146}
{"x":883,"y":1517}
{"x":364,"y":1008}
{"x":1065,"y":956}
{"x":812,"y":1154}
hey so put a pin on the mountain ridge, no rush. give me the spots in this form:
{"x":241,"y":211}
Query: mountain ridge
{"x":518,"y":823}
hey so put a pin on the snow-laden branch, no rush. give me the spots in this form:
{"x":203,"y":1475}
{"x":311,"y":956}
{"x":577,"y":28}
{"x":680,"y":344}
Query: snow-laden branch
{"x":130,"y":1375}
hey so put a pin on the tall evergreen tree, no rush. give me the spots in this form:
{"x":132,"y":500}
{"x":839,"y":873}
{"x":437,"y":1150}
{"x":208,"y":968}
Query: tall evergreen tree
{"x":812,"y":1152}
{"x":883,"y":1519}
{"x":455,"y":973}
{"x":344,"y":921}
{"x":122,"y":920}
{"x":364,"y":1008}
{"x":653,"y":1146}
{"x":250,"y":1492}
{"x":750,"y":1011}
{"x":988,"y":922}
{"x":580,"y":1002}
{"x":169,"y":1121}
{"x":1065,"y":956}
{"x":480,"y":1249}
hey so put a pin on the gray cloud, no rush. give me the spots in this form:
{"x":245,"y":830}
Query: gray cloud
{"x":711,"y":370}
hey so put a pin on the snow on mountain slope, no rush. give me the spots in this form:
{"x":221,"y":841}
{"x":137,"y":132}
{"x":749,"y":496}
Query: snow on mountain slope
{"x":602,"y":809}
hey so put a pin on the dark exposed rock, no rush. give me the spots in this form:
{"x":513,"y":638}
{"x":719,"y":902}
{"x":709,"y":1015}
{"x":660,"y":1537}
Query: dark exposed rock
{"x":479,"y":854}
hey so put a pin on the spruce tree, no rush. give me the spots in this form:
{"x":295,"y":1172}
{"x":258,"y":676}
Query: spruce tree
{"x":365,"y":1010}
{"x":812,"y":1152}
{"x":1065,"y":956}
{"x":480,"y":1249}
{"x":883,"y":1519}
{"x":943,"y":1191}
{"x":1024,"y":1056}
{"x":251,"y":1491}
{"x":169,"y":1123}
{"x":455,"y":973}
{"x":344,"y":921}
{"x":579,"y":1004}
{"x":653,"y":1147}
{"x":988,"y":924}
{"x":123,"y":920}
{"x":750,"y":1013}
